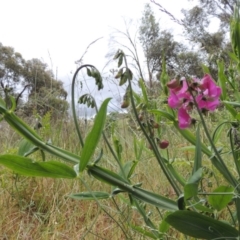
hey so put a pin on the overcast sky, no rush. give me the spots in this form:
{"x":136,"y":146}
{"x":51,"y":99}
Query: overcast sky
{"x":58,"y":31}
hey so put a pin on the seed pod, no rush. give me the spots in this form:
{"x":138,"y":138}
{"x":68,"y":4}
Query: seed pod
{"x":125,"y":104}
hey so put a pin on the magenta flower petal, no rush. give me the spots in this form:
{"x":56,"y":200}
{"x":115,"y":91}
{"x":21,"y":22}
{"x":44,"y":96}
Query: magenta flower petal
{"x":209,"y":98}
{"x":173,"y":100}
{"x":176,"y":100}
{"x":212,"y":105}
{"x":209,"y":87}
{"x":184,"y":120}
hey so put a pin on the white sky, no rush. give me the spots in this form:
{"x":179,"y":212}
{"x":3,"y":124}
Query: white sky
{"x":58,"y":31}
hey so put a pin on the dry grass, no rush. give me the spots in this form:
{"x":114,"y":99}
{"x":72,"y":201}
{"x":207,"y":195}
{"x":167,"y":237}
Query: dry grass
{"x":39,"y":208}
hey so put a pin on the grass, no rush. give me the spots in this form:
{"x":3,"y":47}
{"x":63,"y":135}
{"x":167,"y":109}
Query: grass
{"x":39,"y":208}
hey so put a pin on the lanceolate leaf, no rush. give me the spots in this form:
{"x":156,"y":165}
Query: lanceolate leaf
{"x":114,"y":179}
{"x":163,"y":114}
{"x":205,"y":69}
{"x":90,"y":195}
{"x":144,"y":90}
{"x":222,"y":79}
{"x":94,"y":136}
{"x":144,"y":231}
{"x":198,"y":152}
{"x":27,"y":167}
{"x":26,"y":148}
{"x":191,"y":138}
{"x":200,"y":226}
{"x":220,"y":201}
{"x":191,"y":188}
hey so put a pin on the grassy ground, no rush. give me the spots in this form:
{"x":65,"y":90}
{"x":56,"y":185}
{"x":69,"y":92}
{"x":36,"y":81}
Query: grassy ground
{"x":39,"y":208}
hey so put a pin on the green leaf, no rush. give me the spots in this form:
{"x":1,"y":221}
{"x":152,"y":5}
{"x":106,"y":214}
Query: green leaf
{"x":124,"y":78}
{"x":191,"y":138}
{"x":2,"y":104}
{"x":237,"y":203}
{"x":230,"y":109}
{"x":118,"y":147}
{"x":222,"y":79}
{"x":89,"y":73}
{"x":205,"y":69}
{"x":191,"y":188}
{"x":196,"y":177}
{"x":117,"y":54}
{"x":217,"y":132}
{"x":198,"y":152}
{"x":93,"y":137}
{"x":119,"y":74}
{"x":164,"y":226}
{"x":25,"y":166}
{"x":114,"y":179}
{"x":181,"y":202}
{"x":138,"y":148}
{"x":120,"y":60}
{"x":90,"y":195}
{"x":200,"y":226}
{"x":233,"y":57}
{"x":163,"y":114}
{"x":144,"y":90}
{"x":175,"y":172}
{"x":202,"y":208}
{"x":130,"y":74}
{"x":26,"y":148}
{"x":221,"y":200}
{"x":129,"y":168}
{"x":144,"y":232}
{"x":164,"y":77}
{"x":131,"y":171}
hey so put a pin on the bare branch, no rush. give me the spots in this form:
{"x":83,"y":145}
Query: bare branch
{"x":81,"y":59}
{"x":164,"y":10}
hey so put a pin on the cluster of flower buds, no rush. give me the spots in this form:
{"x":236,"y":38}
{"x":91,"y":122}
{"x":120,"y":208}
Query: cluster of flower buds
{"x":205,"y":92}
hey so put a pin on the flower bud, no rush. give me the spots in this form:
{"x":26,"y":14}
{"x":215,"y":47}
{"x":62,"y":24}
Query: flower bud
{"x":140,"y":116}
{"x":125,"y":104}
{"x":163,"y":144}
{"x":154,"y":124}
{"x":174,"y":84}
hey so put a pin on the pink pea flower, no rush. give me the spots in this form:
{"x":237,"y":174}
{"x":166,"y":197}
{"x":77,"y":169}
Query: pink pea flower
{"x":179,"y":96}
{"x":205,"y":91}
{"x":210,"y":93}
{"x":184,"y":119}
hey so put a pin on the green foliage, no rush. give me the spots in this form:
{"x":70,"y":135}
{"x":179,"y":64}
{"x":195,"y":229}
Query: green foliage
{"x":27,"y":167}
{"x":156,"y":121}
{"x":199,"y":226}
{"x":90,"y":195}
{"x":191,"y":187}
{"x":222,"y":196}
{"x":93,"y":137}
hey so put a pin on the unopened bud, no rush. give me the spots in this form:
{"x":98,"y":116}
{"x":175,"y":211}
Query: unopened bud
{"x":125,"y":104}
{"x":174,"y":84}
{"x":163,"y":144}
{"x":154,"y":124}
{"x":140,"y":117}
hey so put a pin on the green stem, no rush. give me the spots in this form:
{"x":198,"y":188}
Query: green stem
{"x":152,"y":142}
{"x":217,"y":159}
{"x":113,"y":179}
{"x":73,"y":102}
{"x":24,"y":130}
